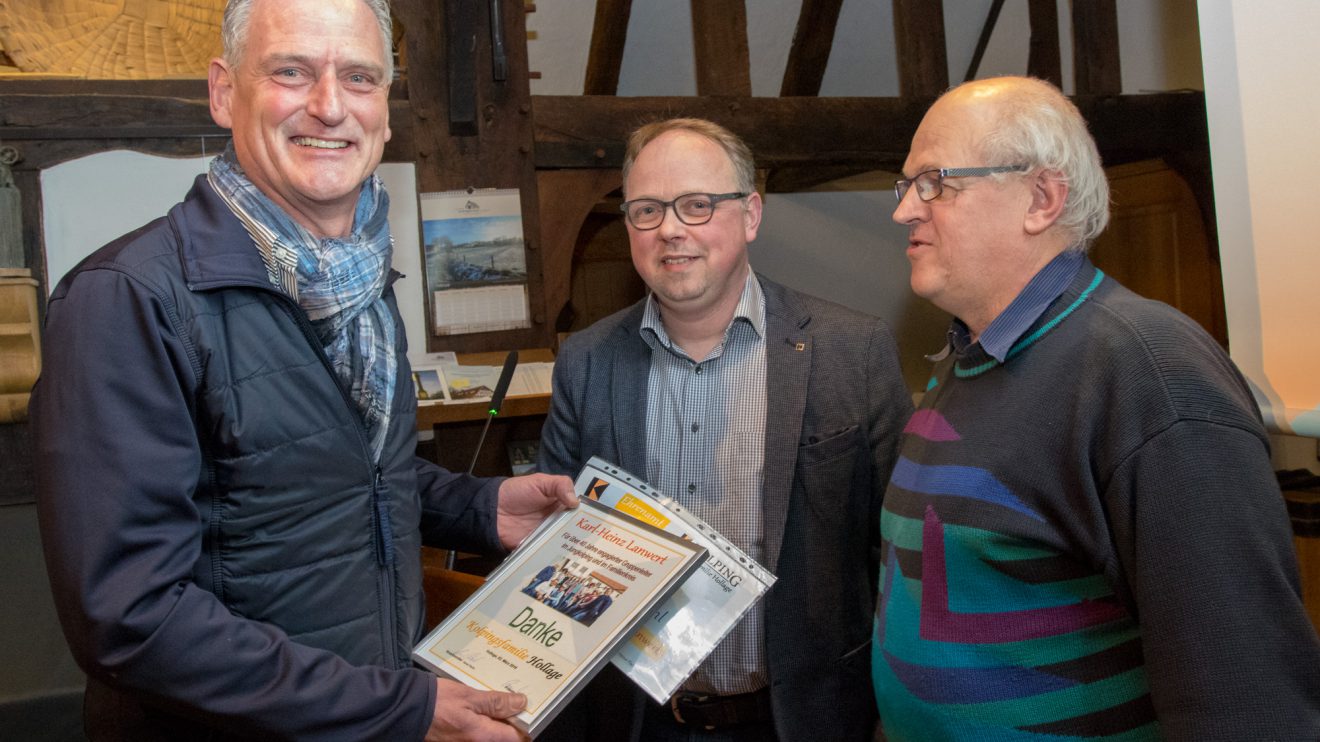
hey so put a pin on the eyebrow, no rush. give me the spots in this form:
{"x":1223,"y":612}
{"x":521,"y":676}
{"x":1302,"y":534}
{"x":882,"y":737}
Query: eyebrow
{"x":277,"y":60}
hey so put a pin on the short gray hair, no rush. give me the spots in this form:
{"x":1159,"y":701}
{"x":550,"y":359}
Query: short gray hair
{"x":740,"y":155}
{"x":1033,"y":123}
{"x":238,"y":13}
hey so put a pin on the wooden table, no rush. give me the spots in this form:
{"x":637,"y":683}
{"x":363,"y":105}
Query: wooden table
{"x":431,"y":415}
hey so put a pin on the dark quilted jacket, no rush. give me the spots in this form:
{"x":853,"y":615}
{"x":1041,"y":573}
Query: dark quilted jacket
{"x":226,"y":559}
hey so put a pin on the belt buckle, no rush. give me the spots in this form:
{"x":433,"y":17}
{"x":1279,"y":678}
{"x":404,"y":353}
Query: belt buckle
{"x":689,"y":697}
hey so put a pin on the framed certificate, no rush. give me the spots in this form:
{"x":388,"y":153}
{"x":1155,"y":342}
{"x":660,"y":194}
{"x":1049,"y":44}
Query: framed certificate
{"x":556,"y":609}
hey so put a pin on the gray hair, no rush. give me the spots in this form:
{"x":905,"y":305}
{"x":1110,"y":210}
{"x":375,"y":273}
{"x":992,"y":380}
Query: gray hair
{"x":1033,"y":123}
{"x":744,"y":167}
{"x":238,"y":13}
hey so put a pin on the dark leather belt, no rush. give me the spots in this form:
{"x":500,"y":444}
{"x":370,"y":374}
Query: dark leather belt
{"x":720,"y":712}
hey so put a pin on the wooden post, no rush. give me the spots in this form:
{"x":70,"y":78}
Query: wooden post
{"x":499,"y":152}
{"x":1096,"y":69}
{"x":609,"y":34}
{"x":923,"y":59}
{"x":1043,"y":56}
{"x":719,"y":42}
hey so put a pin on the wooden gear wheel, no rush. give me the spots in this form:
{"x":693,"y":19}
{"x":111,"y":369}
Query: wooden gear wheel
{"x":111,"y":39}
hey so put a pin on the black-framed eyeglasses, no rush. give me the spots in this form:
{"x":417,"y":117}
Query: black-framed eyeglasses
{"x":930,"y":184}
{"x":693,"y":209}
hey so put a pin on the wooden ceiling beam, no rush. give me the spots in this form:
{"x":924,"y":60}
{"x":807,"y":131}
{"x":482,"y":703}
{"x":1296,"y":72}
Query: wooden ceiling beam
{"x":810,"y":52}
{"x":871,"y":133}
{"x":719,"y":43}
{"x":591,"y":132}
{"x":983,"y":41}
{"x":798,"y":179}
{"x":1043,"y":56}
{"x":54,"y":120}
{"x":1096,"y":68}
{"x":923,"y":59}
{"x":608,"y":37}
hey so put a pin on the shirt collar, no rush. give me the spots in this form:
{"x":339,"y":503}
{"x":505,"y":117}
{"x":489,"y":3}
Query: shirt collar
{"x":1027,"y":307}
{"x":750,"y":309}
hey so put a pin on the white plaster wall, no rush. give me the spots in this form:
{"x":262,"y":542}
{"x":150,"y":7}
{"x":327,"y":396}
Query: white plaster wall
{"x":1158,"y":41}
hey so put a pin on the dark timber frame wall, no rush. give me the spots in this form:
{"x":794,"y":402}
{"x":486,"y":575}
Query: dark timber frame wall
{"x":563,"y":152}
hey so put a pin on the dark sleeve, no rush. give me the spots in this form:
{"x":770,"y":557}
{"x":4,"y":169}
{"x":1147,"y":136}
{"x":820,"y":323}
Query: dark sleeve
{"x":458,"y":510}
{"x":888,"y":407}
{"x":561,"y":443}
{"x":118,"y":461}
{"x":1203,"y":535}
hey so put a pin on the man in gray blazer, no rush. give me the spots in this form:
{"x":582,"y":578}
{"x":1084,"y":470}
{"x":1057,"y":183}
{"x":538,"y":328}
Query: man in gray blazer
{"x":771,"y":414}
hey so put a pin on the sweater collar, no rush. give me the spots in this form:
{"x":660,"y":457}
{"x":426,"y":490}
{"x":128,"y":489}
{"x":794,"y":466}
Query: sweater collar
{"x":1021,"y":313}
{"x":974,"y":360}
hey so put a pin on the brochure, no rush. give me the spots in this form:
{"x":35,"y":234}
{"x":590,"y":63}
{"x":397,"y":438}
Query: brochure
{"x":552,"y":613}
{"x":683,"y":630}
{"x":440,"y":378}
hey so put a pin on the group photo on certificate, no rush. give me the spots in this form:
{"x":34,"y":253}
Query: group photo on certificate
{"x":574,"y":589}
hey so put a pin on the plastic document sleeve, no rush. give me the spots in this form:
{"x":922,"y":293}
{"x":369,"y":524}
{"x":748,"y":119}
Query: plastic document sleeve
{"x":672,"y":641}
{"x":553,"y":612}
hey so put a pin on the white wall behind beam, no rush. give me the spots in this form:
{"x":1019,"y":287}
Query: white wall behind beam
{"x":1158,"y":42}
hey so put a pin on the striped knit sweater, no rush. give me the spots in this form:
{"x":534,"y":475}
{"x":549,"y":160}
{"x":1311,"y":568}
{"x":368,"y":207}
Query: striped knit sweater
{"x":1086,"y":542}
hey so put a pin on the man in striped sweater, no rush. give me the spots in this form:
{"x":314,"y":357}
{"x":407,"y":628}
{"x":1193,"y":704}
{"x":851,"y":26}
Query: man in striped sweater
{"x":1083,"y":537}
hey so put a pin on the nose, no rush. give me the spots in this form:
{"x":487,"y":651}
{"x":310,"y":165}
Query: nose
{"x":911,"y":208}
{"x":326,"y":101}
{"x":670,"y":225}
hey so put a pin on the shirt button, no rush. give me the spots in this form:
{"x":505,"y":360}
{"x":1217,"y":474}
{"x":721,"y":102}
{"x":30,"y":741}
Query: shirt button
{"x":692,"y":488}
{"x":695,"y":426}
{"x":698,"y":371}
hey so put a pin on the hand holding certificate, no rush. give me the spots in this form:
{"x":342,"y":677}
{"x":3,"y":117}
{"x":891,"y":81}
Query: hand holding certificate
{"x":555,"y":609}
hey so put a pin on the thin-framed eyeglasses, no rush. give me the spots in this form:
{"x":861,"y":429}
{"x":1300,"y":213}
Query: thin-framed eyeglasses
{"x":930,"y":184}
{"x":693,"y":209}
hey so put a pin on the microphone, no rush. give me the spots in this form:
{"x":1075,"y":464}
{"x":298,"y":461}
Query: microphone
{"x":496,"y":401}
{"x":502,"y":386}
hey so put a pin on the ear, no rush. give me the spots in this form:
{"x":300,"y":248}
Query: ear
{"x":752,"y":216}
{"x":220,"y":85}
{"x":1049,"y":191}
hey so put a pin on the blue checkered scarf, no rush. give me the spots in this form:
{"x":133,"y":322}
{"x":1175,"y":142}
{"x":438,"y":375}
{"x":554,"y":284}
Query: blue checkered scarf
{"x":339,"y":283}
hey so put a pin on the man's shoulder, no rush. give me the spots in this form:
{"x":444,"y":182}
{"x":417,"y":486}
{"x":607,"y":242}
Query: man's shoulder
{"x":1150,"y":345}
{"x":1126,"y":319}
{"x":129,"y":254}
{"x":149,"y":253}
{"x":605,"y":331}
{"x":812,"y":312}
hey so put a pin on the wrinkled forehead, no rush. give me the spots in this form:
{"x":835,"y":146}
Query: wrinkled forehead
{"x":950,"y":135}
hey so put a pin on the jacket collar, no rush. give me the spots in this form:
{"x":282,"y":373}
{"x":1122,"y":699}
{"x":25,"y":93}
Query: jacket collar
{"x":214,"y":248}
{"x":789,"y":347}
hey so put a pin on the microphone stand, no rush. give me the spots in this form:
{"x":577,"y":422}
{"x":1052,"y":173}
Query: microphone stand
{"x":496,"y":401}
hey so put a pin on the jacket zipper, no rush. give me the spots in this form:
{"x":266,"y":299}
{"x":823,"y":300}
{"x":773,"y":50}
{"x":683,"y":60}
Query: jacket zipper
{"x":381,"y":535}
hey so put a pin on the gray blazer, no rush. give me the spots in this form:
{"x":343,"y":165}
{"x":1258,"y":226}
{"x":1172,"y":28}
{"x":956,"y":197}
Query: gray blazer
{"x":836,"y":406}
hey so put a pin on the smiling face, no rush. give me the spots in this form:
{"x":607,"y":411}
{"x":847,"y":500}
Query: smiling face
{"x":974,"y":247}
{"x":695,"y":271}
{"x":308,"y":106}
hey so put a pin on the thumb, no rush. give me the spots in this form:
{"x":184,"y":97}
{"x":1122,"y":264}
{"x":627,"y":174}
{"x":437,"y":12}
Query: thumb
{"x":499,"y":705}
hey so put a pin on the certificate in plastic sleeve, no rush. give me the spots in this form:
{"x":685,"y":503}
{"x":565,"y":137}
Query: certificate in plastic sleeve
{"x":684,"y":629}
{"x":553,"y":612}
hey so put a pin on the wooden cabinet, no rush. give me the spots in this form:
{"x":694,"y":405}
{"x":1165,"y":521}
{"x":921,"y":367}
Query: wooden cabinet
{"x":20,"y":342}
{"x":1156,"y":244}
